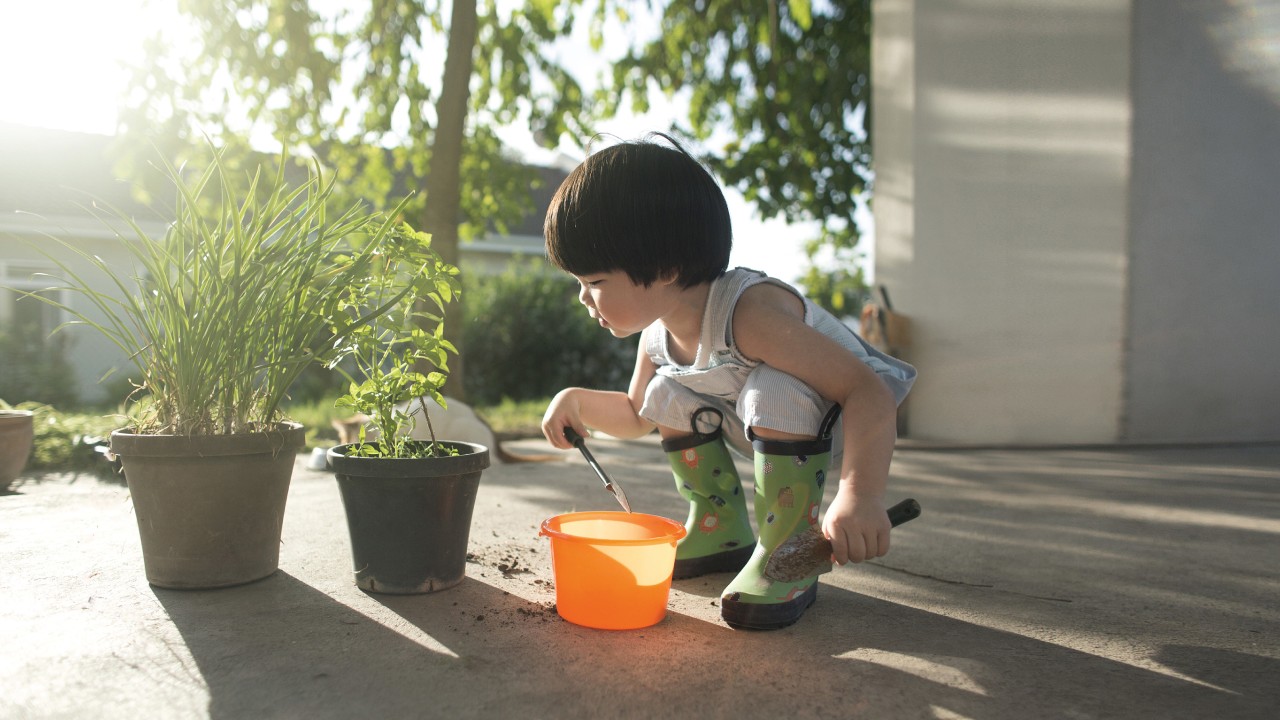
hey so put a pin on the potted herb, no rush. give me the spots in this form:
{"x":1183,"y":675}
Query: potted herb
{"x":408,"y":502}
{"x":17,"y":430}
{"x":220,"y":315}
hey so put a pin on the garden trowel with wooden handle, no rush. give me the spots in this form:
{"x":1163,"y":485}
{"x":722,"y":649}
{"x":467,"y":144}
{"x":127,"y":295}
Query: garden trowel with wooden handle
{"x":810,"y":552}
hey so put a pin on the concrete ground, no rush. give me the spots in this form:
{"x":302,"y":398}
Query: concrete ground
{"x":1085,"y":583}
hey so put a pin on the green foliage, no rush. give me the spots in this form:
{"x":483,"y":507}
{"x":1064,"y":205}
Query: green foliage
{"x":316,"y":416}
{"x":64,"y":441}
{"x":34,"y":367}
{"x":841,"y":291}
{"x":226,"y":310}
{"x":361,"y":89}
{"x":406,"y":329}
{"x":369,"y":91}
{"x":788,"y":83}
{"x":527,"y":336}
{"x":516,"y":418}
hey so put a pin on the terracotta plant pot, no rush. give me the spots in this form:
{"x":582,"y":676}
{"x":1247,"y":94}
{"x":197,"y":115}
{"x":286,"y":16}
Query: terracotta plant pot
{"x":409,"y":519}
{"x":17,"y":431}
{"x":210,"y":508}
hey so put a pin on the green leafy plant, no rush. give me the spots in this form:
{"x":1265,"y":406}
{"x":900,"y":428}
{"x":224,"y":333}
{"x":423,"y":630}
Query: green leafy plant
{"x":411,"y":290}
{"x":224,"y":312}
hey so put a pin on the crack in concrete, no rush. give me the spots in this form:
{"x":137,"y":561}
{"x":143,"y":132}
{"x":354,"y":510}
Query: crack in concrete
{"x":969,"y":584}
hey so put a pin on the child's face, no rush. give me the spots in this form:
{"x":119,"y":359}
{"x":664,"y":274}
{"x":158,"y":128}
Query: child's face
{"x":620,"y":305}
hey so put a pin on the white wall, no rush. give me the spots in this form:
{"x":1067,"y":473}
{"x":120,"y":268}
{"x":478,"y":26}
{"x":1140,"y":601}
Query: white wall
{"x":90,"y":355}
{"x":1078,"y":207}
{"x":1001,"y":157}
{"x":1204,"y":336}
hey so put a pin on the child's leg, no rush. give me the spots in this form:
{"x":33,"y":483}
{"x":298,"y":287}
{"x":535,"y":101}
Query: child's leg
{"x":791,"y":468}
{"x":719,"y":536}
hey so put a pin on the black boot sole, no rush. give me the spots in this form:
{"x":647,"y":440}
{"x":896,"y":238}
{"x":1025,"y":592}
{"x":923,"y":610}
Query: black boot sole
{"x":774,"y":616}
{"x":728,"y":561}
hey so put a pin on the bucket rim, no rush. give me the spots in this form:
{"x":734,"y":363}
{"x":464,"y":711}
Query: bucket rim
{"x":676,"y":530}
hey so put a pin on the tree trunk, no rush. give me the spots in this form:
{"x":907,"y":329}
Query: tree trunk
{"x":444,"y":179}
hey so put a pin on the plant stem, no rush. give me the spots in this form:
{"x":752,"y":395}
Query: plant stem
{"x":422,"y":401}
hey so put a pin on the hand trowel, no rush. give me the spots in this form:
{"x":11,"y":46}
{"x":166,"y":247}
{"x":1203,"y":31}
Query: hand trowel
{"x":810,"y":552}
{"x":572,"y":436}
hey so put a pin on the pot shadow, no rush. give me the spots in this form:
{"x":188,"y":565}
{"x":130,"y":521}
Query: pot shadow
{"x":280,"y":648}
{"x":103,"y":474}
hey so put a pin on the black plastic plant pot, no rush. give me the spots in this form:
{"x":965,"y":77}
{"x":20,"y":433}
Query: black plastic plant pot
{"x":409,"y":519}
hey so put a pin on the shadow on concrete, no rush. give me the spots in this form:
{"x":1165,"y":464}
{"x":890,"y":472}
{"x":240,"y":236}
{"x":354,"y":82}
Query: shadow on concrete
{"x":1115,"y":532}
{"x":476,"y":651}
{"x":280,"y":648}
{"x":1251,"y":676}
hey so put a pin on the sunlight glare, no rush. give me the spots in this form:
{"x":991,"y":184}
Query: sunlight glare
{"x":62,"y":62}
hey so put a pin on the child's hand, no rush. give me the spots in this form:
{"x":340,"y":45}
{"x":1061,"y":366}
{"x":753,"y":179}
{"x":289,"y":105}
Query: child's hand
{"x":858,"y":527}
{"x":563,"y":411}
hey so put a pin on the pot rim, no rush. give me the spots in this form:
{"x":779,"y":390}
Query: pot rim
{"x":465,"y":448}
{"x":288,"y":436}
{"x":473,"y":458}
{"x":284,"y":426}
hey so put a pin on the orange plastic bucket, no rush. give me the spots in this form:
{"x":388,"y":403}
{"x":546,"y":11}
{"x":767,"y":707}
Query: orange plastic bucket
{"x":612,"y":569}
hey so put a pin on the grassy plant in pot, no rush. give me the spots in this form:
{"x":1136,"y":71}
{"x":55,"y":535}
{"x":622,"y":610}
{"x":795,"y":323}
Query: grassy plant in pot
{"x":408,"y":502}
{"x":220,"y":316}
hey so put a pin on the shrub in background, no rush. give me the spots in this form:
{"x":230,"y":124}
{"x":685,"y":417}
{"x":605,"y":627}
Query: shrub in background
{"x":68,"y":441}
{"x":34,"y":367}
{"x":525,"y":336}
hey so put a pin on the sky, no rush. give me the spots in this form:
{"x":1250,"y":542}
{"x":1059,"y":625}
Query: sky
{"x":62,"y":66}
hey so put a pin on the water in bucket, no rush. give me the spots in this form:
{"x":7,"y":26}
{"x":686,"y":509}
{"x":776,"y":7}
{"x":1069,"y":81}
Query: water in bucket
{"x":612,"y":569}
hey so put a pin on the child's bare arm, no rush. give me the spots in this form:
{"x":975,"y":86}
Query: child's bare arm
{"x":612,"y":412}
{"x":770,"y":327}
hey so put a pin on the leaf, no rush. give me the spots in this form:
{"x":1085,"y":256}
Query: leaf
{"x":800,"y":12}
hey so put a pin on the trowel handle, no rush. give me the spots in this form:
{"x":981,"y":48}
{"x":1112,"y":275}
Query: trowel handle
{"x":572,"y":436}
{"x":906,"y":510}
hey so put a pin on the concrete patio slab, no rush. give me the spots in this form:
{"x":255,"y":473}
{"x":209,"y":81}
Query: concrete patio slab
{"x":1085,"y":583}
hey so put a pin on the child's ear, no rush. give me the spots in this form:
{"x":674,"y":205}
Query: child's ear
{"x":668,"y":277}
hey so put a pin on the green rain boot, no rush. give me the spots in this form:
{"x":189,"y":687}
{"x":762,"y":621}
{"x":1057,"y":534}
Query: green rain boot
{"x":790,"y":478}
{"x":719,"y":537}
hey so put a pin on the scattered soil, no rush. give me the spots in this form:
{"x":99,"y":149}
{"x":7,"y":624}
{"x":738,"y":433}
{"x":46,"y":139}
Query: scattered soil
{"x":512,"y":563}
{"x":506,"y":560}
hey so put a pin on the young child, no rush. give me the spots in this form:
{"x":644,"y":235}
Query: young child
{"x":724,"y":355}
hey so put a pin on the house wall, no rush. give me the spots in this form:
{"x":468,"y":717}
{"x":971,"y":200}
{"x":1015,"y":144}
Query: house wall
{"x":1205,"y":236}
{"x":90,"y":355}
{"x":1076,"y":207}
{"x":1001,"y":159}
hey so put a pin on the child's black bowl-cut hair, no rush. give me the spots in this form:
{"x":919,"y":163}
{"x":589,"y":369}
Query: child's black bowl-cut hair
{"x":643,"y":208}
